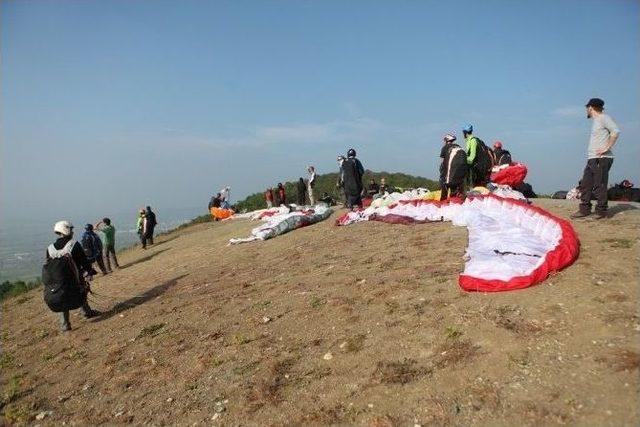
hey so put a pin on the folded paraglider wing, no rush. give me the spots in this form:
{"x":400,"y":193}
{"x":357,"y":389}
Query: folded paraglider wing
{"x":512,"y":175}
{"x":512,"y":245}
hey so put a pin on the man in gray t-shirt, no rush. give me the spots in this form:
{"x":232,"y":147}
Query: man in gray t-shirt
{"x":595,"y":178}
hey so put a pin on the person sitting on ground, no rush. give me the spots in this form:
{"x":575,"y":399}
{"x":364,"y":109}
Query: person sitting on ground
{"x":453,"y":168}
{"x":302,"y":190}
{"x":282,"y":195}
{"x":92,"y":246}
{"x":215,"y":201}
{"x":326,"y":198}
{"x":65,"y":246}
{"x":384,"y":187}
{"x":108,"y":242}
{"x":268,"y":197}
{"x":502,"y":156}
{"x":373,"y":188}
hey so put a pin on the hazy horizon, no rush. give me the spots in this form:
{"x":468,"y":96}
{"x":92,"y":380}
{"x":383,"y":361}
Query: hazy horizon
{"x":110,"y":105}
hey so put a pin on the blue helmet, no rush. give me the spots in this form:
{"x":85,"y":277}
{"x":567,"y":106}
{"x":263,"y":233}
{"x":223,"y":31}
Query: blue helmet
{"x":468,"y":128}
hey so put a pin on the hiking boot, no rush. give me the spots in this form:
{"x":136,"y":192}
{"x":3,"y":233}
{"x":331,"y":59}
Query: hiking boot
{"x":601,"y":215}
{"x":578,"y":215}
{"x":66,"y":327}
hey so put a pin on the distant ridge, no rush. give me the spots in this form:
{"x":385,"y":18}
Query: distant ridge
{"x":326,"y":183}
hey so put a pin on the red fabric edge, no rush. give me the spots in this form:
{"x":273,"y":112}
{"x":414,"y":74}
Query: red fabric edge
{"x":562,"y":256}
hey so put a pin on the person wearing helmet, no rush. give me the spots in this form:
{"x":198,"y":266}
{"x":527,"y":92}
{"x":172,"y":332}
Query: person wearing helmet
{"x":453,"y":168}
{"x":65,"y":245}
{"x":502,"y":156}
{"x":478,"y":158}
{"x":92,"y":246}
{"x":352,"y":172}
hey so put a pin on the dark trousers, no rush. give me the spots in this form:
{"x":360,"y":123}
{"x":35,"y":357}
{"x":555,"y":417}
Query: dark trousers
{"x":595,"y":178}
{"x":457,"y":190}
{"x":146,"y":238}
{"x":477,"y":178}
{"x":110,"y":251}
{"x":100,"y":263}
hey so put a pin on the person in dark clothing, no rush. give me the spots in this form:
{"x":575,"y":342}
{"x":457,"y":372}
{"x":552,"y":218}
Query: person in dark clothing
{"x":215,"y":201}
{"x":302,"y":192}
{"x":282,"y":196}
{"x":352,"y":171}
{"x":502,"y":156}
{"x":453,"y":168}
{"x":92,"y":246}
{"x":373,"y":188}
{"x":150,"y":223}
{"x":65,"y":245}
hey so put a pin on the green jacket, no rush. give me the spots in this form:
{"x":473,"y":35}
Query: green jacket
{"x":140,"y":224}
{"x":109,"y":233}
{"x":472,"y":145}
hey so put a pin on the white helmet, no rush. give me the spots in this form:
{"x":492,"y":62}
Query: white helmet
{"x":63,"y":227}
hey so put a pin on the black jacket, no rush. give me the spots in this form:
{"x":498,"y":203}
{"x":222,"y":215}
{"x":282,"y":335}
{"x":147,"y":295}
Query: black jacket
{"x":352,"y":172}
{"x":503,"y":157}
{"x":77,"y":253}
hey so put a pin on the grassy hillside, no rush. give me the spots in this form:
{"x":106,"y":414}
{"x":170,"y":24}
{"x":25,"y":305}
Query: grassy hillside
{"x":327,"y":184}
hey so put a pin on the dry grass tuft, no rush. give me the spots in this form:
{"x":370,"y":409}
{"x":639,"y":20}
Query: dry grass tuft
{"x":622,"y":360}
{"x":454,"y":352}
{"x":400,"y":372}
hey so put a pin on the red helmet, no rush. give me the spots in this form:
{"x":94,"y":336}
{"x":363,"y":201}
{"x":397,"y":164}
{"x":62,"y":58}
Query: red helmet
{"x":497,"y":144}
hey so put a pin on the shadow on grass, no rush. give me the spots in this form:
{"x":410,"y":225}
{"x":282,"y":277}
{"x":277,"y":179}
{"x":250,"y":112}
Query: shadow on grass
{"x":144,"y":259}
{"x":140,"y":299}
{"x":613,"y":210}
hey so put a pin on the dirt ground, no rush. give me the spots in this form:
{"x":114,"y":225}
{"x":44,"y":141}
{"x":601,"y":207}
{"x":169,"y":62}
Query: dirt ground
{"x":362,"y":324}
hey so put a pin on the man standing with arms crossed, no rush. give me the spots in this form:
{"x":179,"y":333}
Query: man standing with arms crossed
{"x":604,"y":134}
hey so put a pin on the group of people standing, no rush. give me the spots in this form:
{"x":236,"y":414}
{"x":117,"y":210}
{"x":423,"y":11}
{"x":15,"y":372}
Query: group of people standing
{"x":472,"y":164}
{"x":146,"y":225}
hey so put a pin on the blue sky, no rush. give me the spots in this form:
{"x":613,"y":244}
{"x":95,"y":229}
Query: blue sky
{"x":112,"y":104}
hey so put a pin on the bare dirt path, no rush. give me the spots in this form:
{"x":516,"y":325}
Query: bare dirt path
{"x":335,"y":325}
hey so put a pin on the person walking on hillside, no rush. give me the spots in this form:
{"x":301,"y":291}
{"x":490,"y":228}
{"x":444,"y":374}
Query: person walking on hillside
{"x":595,"y":177}
{"x":311,"y":185}
{"x":282,"y":195}
{"x":66,"y":246}
{"x":108,"y":242}
{"x":302,"y":190}
{"x":352,"y":172}
{"x":501,"y":156}
{"x":92,"y":246}
{"x":453,"y":169}
{"x":477,"y":157}
{"x":268,"y":197}
{"x":149,"y":226}
{"x":225,"y":197}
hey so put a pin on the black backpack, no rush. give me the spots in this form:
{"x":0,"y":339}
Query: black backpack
{"x":484,"y":159}
{"x":63,"y":290}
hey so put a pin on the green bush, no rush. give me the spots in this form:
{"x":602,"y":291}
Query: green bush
{"x":327,"y":184}
{"x":11,"y":289}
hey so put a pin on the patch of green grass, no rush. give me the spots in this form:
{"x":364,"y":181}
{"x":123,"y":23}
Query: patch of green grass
{"x":150,"y":331}
{"x":11,"y":289}
{"x":16,"y":414}
{"x":262,"y":304}
{"x":317,"y":302}
{"x":248,"y":367}
{"x":6,"y":360}
{"x":48,"y":357}
{"x":242,"y":339}
{"x":12,"y":390}
{"x":619,"y":243}
{"x":76,"y":355}
{"x":451,"y":332}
